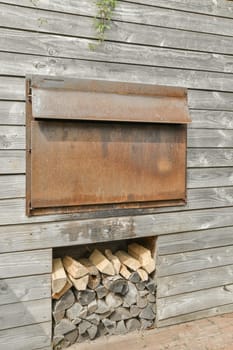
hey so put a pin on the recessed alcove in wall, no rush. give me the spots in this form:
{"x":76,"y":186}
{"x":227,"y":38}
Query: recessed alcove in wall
{"x":81,"y":250}
{"x":105,"y":301}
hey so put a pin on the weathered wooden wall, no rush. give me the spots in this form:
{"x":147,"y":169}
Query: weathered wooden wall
{"x":186,"y":43}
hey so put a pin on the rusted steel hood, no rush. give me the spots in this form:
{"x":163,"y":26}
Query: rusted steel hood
{"x":96,"y":145}
{"x":80,"y":99}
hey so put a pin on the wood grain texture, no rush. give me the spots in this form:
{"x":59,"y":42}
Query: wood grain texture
{"x":210,"y":100}
{"x":209,"y":138}
{"x":13,"y":65}
{"x":208,"y":119}
{"x":193,"y":281}
{"x":209,"y":177}
{"x":74,"y":232}
{"x":25,"y":263}
{"x":219,"y":310}
{"x":25,"y":313}
{"x":212,"y":157}
{"x":195,"y":301}
{"x":215,"y":8}
{"x":12,"y":88}
{"x":194,"y":260}
{"x":136,"y":13}
{"x":12,"y":162}
{"x":12,"y":113}
{"x":34,"y":19}
{"x":70,"y":47}
{"x":188,"y":241}
{"x":12,"y":186}
{"x":195,"y":246}
{"x":30,"y":337}
{"x":14,"y":290}
{"x":12,"y":137}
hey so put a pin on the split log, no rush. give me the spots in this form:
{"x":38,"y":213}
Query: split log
{"x":134,"y":277}
{"x":143,"y":275}
{"x":128,"y":260}
{"x":65,"y":289}
{"x":74,"y":268}
{"x":130,"y":297}
{"x":63,"y":327}
{"x":113,"y":301}
{"x":116,"y":284}
{"x":59,"y":277}
{"x":65,"y":302}
{"x":124,"y":272}
{"x":150,"y":266}
{"x":143,"y":255}
{"x":85,"y":297}
{"x":114,"y":260}
{"x":94,"y":275}
{"x":101,"y":291}
{"x":102,"y":263}
{"x":79,"y":283}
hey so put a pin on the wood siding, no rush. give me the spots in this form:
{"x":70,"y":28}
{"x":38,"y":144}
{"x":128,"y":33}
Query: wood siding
{"x":176,"y":43}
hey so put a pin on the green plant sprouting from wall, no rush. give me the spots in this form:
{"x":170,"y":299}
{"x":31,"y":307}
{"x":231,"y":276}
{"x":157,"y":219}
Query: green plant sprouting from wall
{"x":103,"y":19}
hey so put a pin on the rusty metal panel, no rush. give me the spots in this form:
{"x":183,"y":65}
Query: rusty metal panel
{"x":95,"y":145}
{"x":108,"y":101}
{"x":85,"y":163}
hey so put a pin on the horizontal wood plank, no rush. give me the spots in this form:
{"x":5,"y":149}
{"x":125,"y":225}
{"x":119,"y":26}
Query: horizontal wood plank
{"x":209,"y":138}
{"x":70,"y":47}
{"x":210,"y":100}
{"x":12,"y":137}
{"x":34,"y":19}
{"x":215,"y":311}
{"x":193,"y":261}
{"x":14,"y":290}
{"x":215,"y":8}
{"x":213,"y":157}
{"x":25,"y":263}
{"x":195,"y":301}
{"x":12,"y":186}
{"x":74,"y":232}
{"x":185,"y":221}
{"x":15,"y":64}
{"x":25,"y":313}
{"x":135,"y":13}
{"x":208,"y":119}
{"x":12,"y":113}
{"x":27,"y":338}
{"x":188,"y":241}
{"x":12,"y":162}
{"x":209,"y":177}
{"x":12,"y":88}
{"x":193,"y":281}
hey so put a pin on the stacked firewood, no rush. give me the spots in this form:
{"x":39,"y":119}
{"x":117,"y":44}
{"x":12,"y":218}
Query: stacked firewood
{"x":103,"y":294}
